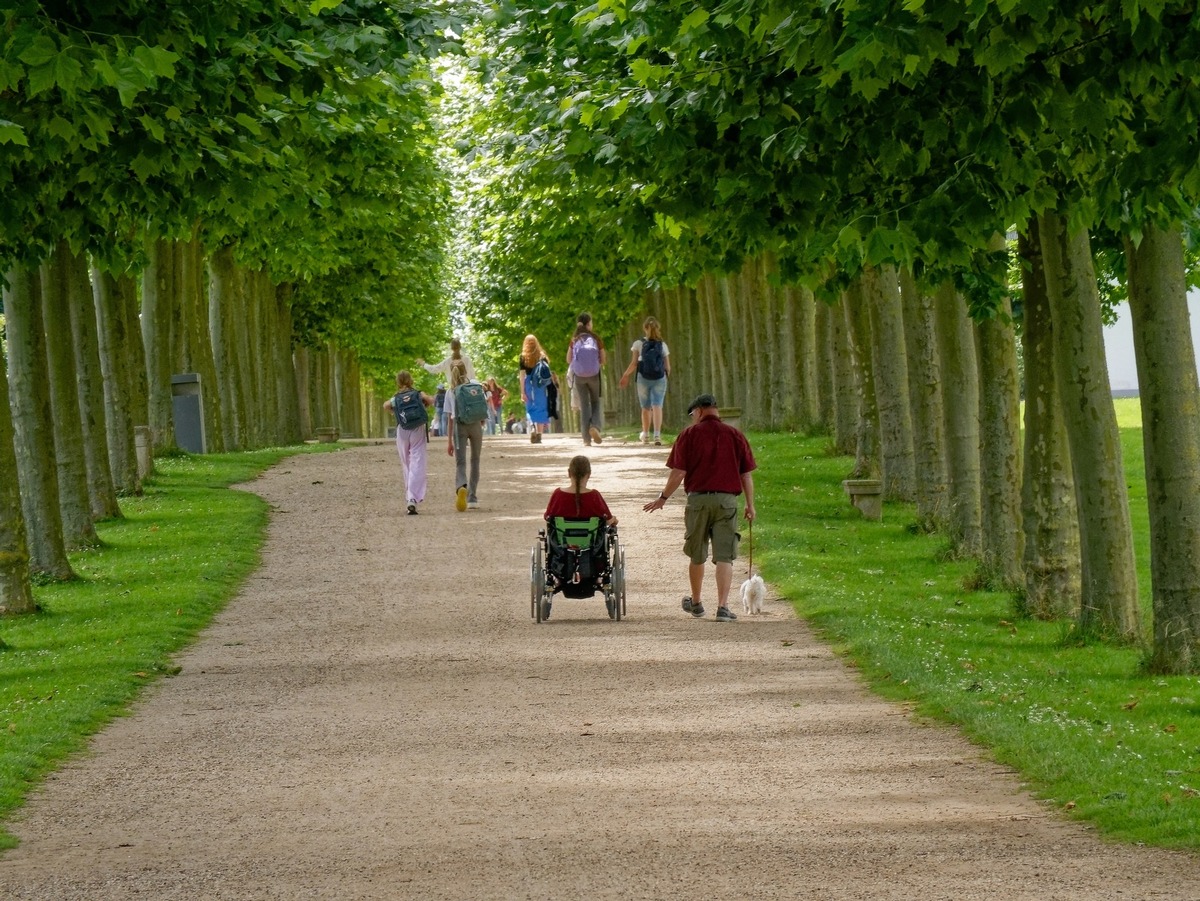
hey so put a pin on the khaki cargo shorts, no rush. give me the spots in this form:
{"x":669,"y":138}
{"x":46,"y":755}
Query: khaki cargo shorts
{"x":711,"y":519}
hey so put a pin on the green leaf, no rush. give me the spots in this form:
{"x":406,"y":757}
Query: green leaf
{"x":693,"y":21}
{"x":11,"y":133}
{"x":10,"y":75}
{"x":41,"y":51}
{"x":249,"y":123}
{"x":319,"y":6}
{"x":41,"y":78}
{"x":67,"y":72}
{"x":151,"y":126}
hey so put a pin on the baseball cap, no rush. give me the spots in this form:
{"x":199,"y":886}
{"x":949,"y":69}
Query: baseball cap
{"x":704,"y":400}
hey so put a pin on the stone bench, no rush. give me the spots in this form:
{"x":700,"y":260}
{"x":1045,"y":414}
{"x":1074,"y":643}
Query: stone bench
{"x":866,"y":495}
{"x":327,"y":435}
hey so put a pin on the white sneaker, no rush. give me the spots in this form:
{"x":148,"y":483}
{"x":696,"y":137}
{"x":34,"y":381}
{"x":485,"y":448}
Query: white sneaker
{"x":642,"y":437}
{"x":471,"y":505}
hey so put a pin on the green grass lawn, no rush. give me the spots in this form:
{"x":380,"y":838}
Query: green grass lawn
{"x":1082,"y":723}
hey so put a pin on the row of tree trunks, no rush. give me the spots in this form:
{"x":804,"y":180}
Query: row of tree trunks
{"x":33,"y":425}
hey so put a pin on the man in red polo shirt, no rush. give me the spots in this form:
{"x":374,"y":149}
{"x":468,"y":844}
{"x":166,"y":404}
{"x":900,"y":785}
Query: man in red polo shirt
{"x":713,"y":462}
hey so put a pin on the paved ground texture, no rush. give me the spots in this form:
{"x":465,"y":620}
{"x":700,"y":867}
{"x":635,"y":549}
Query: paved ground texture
{"x":376,"y":716}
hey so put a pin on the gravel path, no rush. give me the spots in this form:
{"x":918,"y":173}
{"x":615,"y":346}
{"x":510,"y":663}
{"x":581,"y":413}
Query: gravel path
{"x":376,"y":716}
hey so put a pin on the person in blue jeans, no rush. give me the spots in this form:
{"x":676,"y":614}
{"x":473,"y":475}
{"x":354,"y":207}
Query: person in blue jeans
{"x":653,"y":368}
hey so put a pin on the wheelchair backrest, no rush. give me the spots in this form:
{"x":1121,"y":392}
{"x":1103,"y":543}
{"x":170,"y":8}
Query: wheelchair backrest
{"x":564,"y":532}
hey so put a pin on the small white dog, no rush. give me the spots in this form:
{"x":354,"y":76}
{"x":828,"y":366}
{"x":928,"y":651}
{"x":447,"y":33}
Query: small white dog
{"x":753,"y":594}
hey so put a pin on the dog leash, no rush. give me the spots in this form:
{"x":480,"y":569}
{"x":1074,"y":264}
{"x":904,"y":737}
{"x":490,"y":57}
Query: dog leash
{"x":750,"y":568}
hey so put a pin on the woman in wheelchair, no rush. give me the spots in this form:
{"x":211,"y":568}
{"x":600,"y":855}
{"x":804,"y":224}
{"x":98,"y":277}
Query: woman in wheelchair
{"x":580,"y":502}
{"x":579,"y":546}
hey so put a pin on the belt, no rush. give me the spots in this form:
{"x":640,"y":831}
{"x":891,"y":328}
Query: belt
{"x":709,"y":492}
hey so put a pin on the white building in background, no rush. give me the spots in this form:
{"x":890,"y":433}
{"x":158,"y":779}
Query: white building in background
{"x":1118,"y":347}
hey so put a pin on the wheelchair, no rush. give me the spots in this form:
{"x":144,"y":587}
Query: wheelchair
{"x":577,"y":558}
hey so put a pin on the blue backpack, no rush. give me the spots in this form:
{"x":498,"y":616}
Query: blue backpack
{"x":470,"y":403}
{"x":409,"y":409}
{"x":652,"y":364}
{"x":541,"y":374}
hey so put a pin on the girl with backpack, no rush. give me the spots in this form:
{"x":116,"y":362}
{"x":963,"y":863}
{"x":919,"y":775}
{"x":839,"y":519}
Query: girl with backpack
{"x":535,"y":379}
{"x":652,"y":362}
{"x":585,"y":359}
{"x":410,"y":407}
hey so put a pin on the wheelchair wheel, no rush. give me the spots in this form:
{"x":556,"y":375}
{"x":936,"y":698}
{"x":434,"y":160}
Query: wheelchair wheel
{"x":619,"y":579}
{"x":537,"y":582}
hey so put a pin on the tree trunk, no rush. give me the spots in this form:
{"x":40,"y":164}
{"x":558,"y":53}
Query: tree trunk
{"x":1167,"y":382}
{"x":1047,"y":488}
{"x":783,"y":370}
{"x":102,"y":492}
{"x":157,"y":319}
{"x":1109,"y":580}
{"x":881,"y":293}
{"x":16,"y":593}
{"x":123,"y":365}
{"x":724,"y":338}
{"x":74,"y":503}
{"x":868,"y":462}
{"x":823,"y":356}
{"x":846,"y":387}
{"x":304,"y":393}
{"x":33,"y":425}
{"x":1003,"y":549}
{"x":925,"y":402}
{"x":194,"y":350}
{"x":960,"y":386}
{"x":803,"y":326}
{"x":223,"y":299}
{"x":285,"y":374}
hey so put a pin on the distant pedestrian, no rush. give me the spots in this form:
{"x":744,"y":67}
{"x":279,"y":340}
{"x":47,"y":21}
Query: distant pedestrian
{"x":465,"y":439}
{"x":586,"y":358}
{"x":408,"y":405}
{"x":535,"y":377}
{"x":713,"y":462}
{"x":439,"y":404}
{"x":495,"y":395}
{"x":651,"y":360}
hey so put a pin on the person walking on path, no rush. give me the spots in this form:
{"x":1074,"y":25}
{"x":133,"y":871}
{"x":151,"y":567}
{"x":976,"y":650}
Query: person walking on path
{"x":495,"y":394}
{"x":443,"y":368}
{"x":713,"y":462}
{"x":465,"y":438}
{"x":412,"y":436}
{"x":585,"y":360}
{"x":651,"y":360}
{"x":534,"y":379}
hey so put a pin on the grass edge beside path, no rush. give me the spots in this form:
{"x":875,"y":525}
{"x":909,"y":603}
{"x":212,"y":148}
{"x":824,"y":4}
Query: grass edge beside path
{"x":181,"y":552}
{"x":1087,"y":730}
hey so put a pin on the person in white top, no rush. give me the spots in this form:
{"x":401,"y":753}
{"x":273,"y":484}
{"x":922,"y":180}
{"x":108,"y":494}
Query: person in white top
{"x":443,"y":368}
{"x":652,"y":373}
